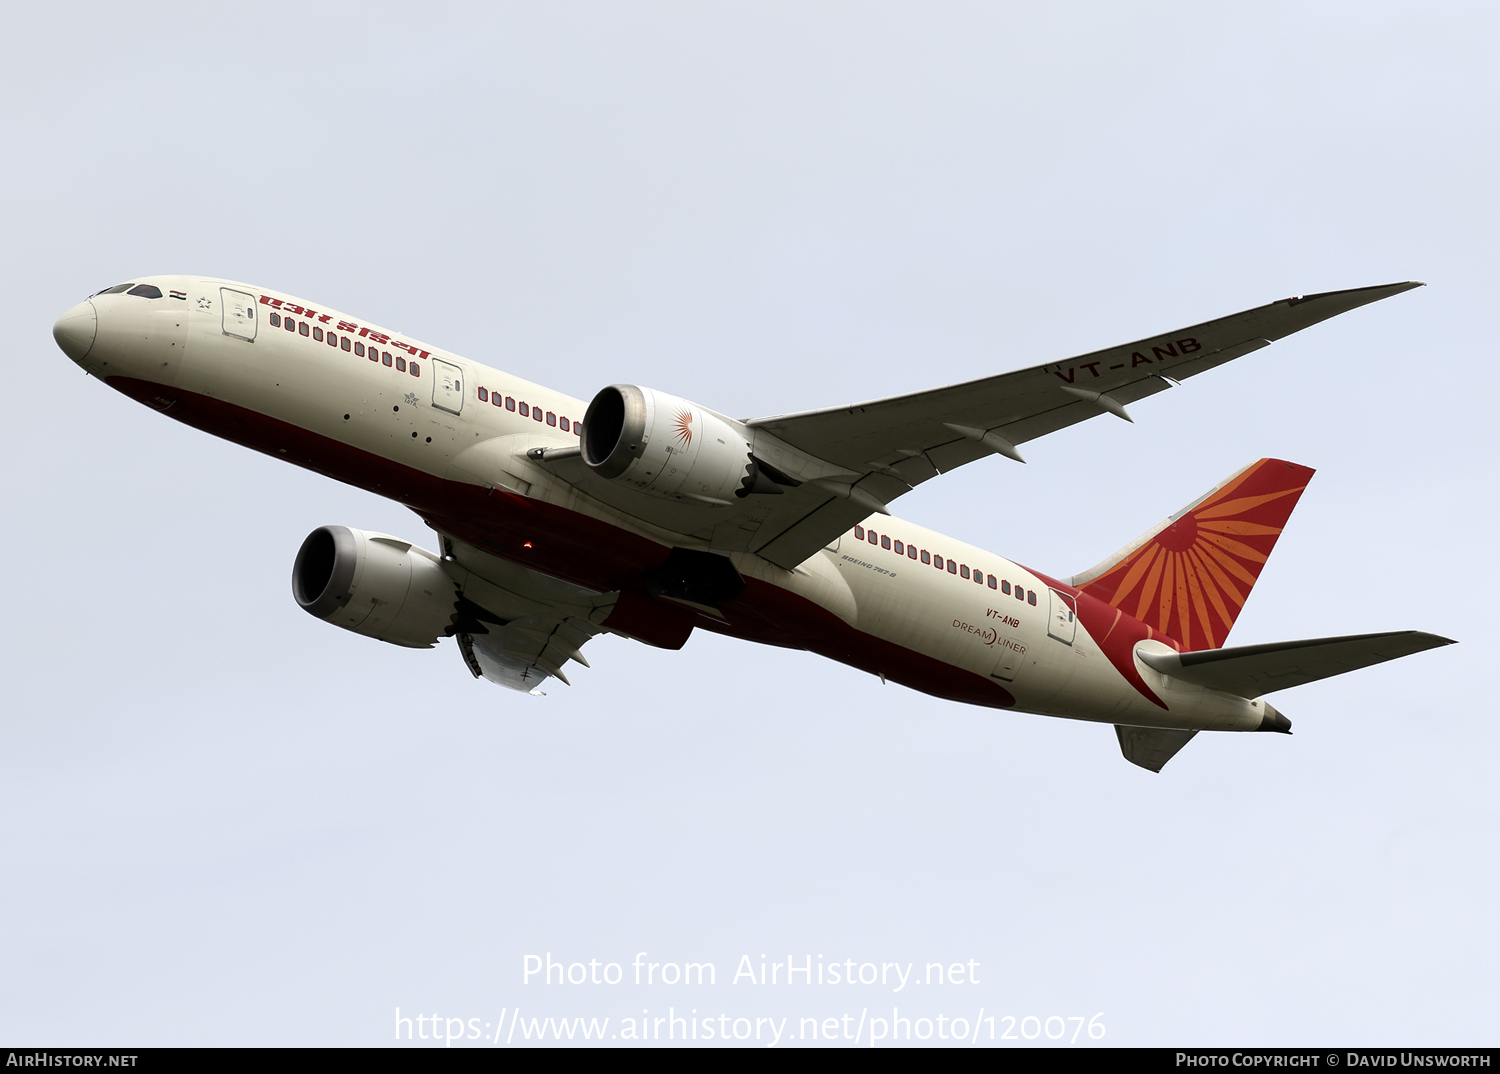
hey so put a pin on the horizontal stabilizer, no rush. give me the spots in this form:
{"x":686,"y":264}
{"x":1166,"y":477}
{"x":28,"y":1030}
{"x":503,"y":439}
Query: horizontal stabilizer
{"x":1252,"y":670}
{"x":1151,"y":747}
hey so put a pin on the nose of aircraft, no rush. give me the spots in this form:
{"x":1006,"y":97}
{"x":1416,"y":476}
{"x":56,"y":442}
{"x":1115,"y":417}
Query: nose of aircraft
{"x":75,"y":330}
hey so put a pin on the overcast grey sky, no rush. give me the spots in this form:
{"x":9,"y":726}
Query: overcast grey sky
{"x":223,"y":821}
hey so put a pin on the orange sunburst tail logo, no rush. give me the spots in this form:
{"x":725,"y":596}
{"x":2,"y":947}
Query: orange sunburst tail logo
{"x":1189,"y":577}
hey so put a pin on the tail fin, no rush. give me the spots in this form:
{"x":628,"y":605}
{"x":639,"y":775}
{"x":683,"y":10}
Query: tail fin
{"x":1189,"y":576}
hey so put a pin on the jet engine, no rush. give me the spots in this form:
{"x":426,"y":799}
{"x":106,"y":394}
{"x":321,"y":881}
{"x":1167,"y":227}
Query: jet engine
{"x":376,"y":585}
{"x":671,"y":447}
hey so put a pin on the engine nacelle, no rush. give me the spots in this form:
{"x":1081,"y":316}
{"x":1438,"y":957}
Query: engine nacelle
{"x":376,"y":585}
{"x":670,"y":447}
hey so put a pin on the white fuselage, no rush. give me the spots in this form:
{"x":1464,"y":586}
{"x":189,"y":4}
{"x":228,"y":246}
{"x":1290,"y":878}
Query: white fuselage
{"x":434,"y":423}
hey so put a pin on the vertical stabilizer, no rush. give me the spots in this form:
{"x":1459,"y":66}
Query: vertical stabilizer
{"x":1189,"y":577}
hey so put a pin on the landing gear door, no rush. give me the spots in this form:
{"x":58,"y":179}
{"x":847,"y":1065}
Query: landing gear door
{"x":239,"y":314}
{"x":447,"y":386}
{"x":1062,"y":623}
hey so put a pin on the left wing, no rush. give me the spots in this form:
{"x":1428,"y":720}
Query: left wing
{"x":523,"y":653}
{"x":889,"y":446}
{"x":517,"y":627}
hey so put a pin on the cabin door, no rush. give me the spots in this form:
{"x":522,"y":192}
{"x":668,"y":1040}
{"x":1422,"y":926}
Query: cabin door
{"x":447,"y":386}
{"x":239,"y":314}
{"x":1062,"y":623}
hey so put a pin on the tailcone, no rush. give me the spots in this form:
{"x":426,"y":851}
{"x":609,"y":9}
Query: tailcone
{"x":1274,"y":721}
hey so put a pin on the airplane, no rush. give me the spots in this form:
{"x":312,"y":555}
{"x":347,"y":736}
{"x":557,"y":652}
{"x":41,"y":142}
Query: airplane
{"x":649,"y":516}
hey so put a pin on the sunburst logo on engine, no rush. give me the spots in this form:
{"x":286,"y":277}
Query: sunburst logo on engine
{"x":684,"y":426}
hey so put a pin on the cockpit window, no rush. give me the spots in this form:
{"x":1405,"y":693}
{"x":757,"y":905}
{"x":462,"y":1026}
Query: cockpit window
{"x":116,"y":289}
{"x":146,"y":290}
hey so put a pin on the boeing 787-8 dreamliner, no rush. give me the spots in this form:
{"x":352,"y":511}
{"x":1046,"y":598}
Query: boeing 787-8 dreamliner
{"x":646,"y":515}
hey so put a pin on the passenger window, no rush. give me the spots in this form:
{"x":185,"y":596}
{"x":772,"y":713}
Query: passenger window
{"x":911,"y":551}
{"x":885,"y":542}
{"x":536,"y":413}
{"x":401,"y":365}
{"x":290,"y":325}
{"x":992,"y":581}
{"x":484,"y":395}
{"x":1031,"y":597}
{"x":551,"y":418}
{"x":359,"y":349}
{"x":386,"y":359}
{"x":925,"y":557}
{"x":874,"y":537}
{"x":275,"y":320}
{"x":900,"y":549}
{"x":496,"y":399}
{"x":342,"y":342}
{"x":302,"y":329}
{"x":510,"y":403}
{"x":937,"y":561}
{"x":414,"y":369}
{"x":859,"y":533}
{"x":952,"y":567}
{"x":562,"y":423}
{"x":1020,"y":593}
{"x":146,"y":290}
{"x":963,"y":570}
{"x":979,"y":577}
{"x":525,"y":411}
{"x":332,"y":340}
{"x":1005,"y":588}
{"x":318,"y":334}
{"x":375,"y":355}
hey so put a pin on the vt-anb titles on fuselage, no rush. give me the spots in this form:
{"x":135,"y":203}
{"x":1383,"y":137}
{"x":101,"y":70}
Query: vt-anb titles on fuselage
{"x":645,"y":515}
